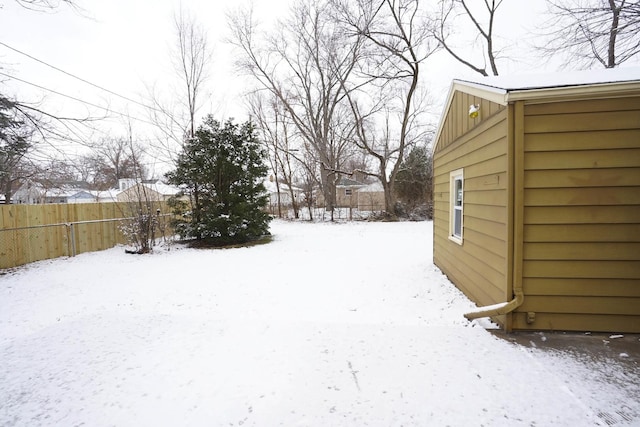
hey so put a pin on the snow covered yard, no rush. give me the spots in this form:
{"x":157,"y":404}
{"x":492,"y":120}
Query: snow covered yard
{"x":329,"y":325}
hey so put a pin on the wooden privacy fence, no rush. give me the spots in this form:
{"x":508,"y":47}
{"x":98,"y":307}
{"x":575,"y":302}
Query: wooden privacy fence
{"x":31,"y":233}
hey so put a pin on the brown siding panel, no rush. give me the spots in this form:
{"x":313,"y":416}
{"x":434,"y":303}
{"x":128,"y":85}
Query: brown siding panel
{"x":582,"y":287}
{"x":592,"y":140}
{"x":582,"y":216}
{"x":559,"y":269}
{"x":579,"y":322}
{"x":583,"y":159}
{"x":614,"y":120}
{"x":478,"y":266}
{"x":594,"y":251}
{"x":580,"y":305}
{"x":457,"y":121}
{"x":577,"y":178}
{"x":469,"y":274}
{"x":582,"y":233}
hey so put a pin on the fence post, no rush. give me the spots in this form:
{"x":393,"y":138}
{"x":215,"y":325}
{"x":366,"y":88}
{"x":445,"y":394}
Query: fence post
{"x":73,"y":239}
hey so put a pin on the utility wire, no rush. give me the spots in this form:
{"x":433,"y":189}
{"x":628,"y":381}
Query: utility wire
{"x":81,"y":100}
{"x":79,"y":78}
{"x":77,"y":99}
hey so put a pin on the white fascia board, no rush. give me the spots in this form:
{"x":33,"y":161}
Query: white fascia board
{"x":490,"y":93}
{"x":552,"y":94}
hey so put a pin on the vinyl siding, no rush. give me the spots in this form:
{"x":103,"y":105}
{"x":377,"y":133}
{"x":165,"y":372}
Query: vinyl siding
{"x":457,"y":121}
{"x":479,"y":266}
{"x":581,"y":267}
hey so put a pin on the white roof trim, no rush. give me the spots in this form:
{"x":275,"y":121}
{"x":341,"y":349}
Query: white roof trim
{"x":490,"y":93}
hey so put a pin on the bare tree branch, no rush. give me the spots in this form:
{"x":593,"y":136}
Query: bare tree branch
{"x":589,"y":32}
{"x":449,"y":11}
{"x":302,"y":64}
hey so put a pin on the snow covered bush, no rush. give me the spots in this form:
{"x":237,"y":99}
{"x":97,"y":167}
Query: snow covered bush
{"x":221,"y":171}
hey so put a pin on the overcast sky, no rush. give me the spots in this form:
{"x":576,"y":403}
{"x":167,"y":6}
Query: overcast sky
{"x":124,"y":46}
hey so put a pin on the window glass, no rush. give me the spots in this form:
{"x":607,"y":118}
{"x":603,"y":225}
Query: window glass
{"x":456,"y":206}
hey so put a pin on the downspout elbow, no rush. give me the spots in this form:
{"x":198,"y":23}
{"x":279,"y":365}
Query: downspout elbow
{"x":497,"y":309}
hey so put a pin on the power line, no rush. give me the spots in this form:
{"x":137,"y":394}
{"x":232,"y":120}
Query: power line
{"x":77,"y":99}
{"x":79,"y":78}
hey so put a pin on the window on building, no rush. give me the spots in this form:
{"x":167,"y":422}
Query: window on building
{"x":456,"y":207}
{"x":347,"y":192}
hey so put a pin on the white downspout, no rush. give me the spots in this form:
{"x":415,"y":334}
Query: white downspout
{"x":516,"y":133}
{"x":498,"y":309}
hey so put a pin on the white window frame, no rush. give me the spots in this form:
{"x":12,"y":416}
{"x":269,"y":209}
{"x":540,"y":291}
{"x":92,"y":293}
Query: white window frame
{"x":456,"y":209}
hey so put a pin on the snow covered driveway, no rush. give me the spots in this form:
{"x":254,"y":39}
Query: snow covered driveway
{"x":329,"y":325}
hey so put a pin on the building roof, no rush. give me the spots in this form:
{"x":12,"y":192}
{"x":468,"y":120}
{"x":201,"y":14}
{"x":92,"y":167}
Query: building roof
{"x":81,"y":194}
{"x":110,"y":194}
{"x":270,"y":186}
{"x":546,"y":87}
{"x":564,"y":79}
{"x":162,"y":188}
{"x":152,"y":184}
{"x":503,"y":89}
{"x":346,"y":182}
{"x":375,"y":187}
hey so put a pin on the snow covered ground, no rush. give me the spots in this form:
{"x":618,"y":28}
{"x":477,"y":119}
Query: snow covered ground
{"x":329,"y":325}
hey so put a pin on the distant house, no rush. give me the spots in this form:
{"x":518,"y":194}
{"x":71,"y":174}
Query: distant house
{"x":37,"y":193}
{"x":346,"y":192}
{"x":284,"y":195}
{"x":105,"y":196}
{"x":537,"y":199}
{"x":371,"y":198}
{"x":151,"y":190}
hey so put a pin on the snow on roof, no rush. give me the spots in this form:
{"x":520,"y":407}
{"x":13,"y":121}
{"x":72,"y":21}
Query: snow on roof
{"x":562,"y":79}
{"x":348,"y":182}
{"x":81,"y":194}
{"x":105,"y":194}
{"x":557,"y":80}
{"x":271,"y":187}
{"x":371,"y":188}
{"x":162,"y":188}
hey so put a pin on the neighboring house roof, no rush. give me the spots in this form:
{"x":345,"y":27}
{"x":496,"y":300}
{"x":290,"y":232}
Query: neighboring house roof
{"x":156,"y":186}
{"x":375,"y":187}
{"x":347,"y":182}
{"x":271,"y":187}
{"x":105,"y":195}
{"x":162,"y":188}
{"x":67,"y":190}
{"x":82,"y":194}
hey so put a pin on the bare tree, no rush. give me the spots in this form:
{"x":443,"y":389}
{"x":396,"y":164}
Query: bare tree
{"x":483,"y":23}
{"x":141,"y":207}
{"x":303,"y":64}
{"x":276,"y":128}
{"x":113,"y":159}
{"x":175,"y":116}
{"x":176,"y":119}
{"x":309,"y":180}
{"x":40,"y":5}
{"x":591,"y":32}
{"x":399,"y":43}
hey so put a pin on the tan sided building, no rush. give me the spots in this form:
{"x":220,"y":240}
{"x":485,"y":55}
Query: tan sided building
{"x":537,"y":199}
